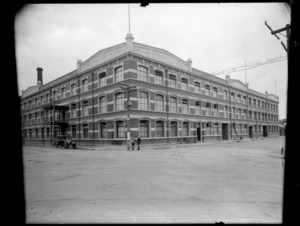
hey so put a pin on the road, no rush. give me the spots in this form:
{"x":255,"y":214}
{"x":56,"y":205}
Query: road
{"x":239,"y":182}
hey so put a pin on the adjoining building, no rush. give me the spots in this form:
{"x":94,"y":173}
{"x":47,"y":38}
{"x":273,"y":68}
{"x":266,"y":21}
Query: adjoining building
{"x":171,"y":101}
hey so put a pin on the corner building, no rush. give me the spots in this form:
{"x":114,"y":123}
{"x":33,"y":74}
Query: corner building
{"x":171,"y":102}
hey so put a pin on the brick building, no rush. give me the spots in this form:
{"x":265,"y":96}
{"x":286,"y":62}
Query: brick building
{"x":172,"y":101}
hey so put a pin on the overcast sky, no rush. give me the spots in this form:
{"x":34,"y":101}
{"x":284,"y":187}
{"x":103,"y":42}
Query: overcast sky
{"x":215,"y":36}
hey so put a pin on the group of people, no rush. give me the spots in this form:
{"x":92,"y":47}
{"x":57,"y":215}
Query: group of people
{"x":138,"y":142}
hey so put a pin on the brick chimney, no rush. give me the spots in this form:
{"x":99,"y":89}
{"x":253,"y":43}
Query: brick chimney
{"x":227,"y":78}
{"x":39,"y":76}
{"x":189,"y":62}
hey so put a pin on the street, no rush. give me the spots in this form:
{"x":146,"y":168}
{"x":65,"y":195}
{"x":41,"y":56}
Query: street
{"x":237,"y":182}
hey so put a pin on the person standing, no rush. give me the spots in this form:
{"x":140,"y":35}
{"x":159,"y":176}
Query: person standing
{"x":132,"y":143}
{"x":138,"y":143}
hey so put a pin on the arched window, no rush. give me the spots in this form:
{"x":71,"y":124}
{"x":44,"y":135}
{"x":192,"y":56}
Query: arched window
{"x":119,"y":74}
{"x":159,"y":128}
{"x":85,"y":130}
{"x":215,"y":91}
{"x":173,"y":129}
{"x":120,"y":127}
{"x":216,"y":128}
{"x":144,"y":128}
{"x":159,"y":102}
{"x":85,"y":110}
{"x":102,"y":105}
{"x":119,"y":101}
{"x":207,"y":90}
{"x":173,"y":104}
{"x":142,"y":73}
{"x":215,"y":110}
{"x":185,"y":106}
{"x":73,"y":111}
{"x":197,"y":87}
{"x":185,"y":129}
{"x":172,"y":81}
{"x":143,"y":100}
{"x":225,"y":94}
{"x":102,"y":79}
{"x":103,"y":130}
{"x":158,"y":77}
{"x":198,"y":108}
{"x":184,"y":83}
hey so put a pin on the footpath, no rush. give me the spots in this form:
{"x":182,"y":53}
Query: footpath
{"x":165,"y":145}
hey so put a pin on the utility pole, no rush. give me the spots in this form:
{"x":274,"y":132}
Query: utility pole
{"x":127,"y":88}
{"x":287,"y":29}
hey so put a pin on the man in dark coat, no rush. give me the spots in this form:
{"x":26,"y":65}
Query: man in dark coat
{"x":138,"y":143}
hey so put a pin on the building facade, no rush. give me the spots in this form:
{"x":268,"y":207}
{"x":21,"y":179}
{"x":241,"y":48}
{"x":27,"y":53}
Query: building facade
{"x":171,"y":101}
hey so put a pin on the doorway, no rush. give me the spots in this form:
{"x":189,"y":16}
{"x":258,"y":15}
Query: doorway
{"x":251,"y":131}
{"x":198,"y":132}
{"x":224,"y":131}
{"x":265,"y":131}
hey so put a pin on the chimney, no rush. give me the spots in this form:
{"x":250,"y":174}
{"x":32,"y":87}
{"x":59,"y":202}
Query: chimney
{"x":266,"y":93}
{"x":129,"y":38}
{"x":79,"y":62}
{"x":39,"y":76}
{"x":189,"y":61}
{"x":247,"y":84}
{"x":227,"y":78}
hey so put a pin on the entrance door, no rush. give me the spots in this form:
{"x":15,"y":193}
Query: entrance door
{"x":224,"y":131}
{"x":265,"y":131}
{"x":198,"y":132}
{"x":251,"y":131}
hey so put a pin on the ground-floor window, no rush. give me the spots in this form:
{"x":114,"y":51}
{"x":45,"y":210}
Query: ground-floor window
{"x":173,"y":129}
{"x":25,"y":133}
{"x":144,"y":128}
{"x":30,"y":133}
{"x":208,"y":129}
{"x":36,"y":133}
{"x":185,"y":129}
{"x":216,"y":128}
{"x":85,"y":129}
{"x":73,"y":131}
{"x":48,"y":132}
{"x":159,"y":129}
{"x":103,"y":130}
{"x":120,"y":129}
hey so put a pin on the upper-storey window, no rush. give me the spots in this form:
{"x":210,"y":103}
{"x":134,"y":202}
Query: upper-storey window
{"x":225,"y":94}
{"x":54,"y":95}
{"x":143,"y":101}
{"x":63,"y":92}
{"x":36,"y":101}
{"x":159,"y":102}
{"x":119,"y":74}
{"x":73,"y":111}
{"x":85,"y":110}
{"x":158,"y":77}
{"x":42,"y":100}
{"x":185,"y":106}
{"x":207,"y":89}
{"x":102,"y":79}
{"x":197,"y":87}
{"x":73,"y":89}
{"x":29,"y":104}
{"x":102,"y":104}
{"x":232,"y":96}
{"x":250,"y":101}
{"x":258,"y":103}
{"x":215,"y":91}
{"x":173,"y":104}
{"x":142,"y":73}
{"x":47,"y":98}
{"x":84,"y":85}
{"x":239,"y":98}
{"x":119,"y":101}
{"x":184,"y":83}
{"x":172,"y":81}
{"x":254,"y":102}
{"x":198,"y":108}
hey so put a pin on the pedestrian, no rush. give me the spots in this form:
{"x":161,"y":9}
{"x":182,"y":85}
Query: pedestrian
{"x":138,"y":143}
{"x":132,"y":143}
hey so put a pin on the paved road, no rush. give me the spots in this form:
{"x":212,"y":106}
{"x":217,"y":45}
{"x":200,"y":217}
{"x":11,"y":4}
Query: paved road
{"x":239,"y":182}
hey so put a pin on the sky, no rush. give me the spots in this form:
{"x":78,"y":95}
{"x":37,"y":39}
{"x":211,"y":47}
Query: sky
{"x":215,"y":36}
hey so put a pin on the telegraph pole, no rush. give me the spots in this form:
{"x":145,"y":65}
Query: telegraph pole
{"x":288,"y":33}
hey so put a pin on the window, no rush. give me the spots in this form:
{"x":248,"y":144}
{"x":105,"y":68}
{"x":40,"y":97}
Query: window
{"x":159,"y":129}
{"x":85,"y":110}
{"x":184,"y":84}
{"x":119,"y":74}
{"x":120,"y":129}
{"x":103,"y":130}
{"x":215,"y":91}
{"x":207,"y":89}
{"x":84,"y":85}
{"x":74,"y":131}
{"x":173,"y":104}
{"x":63,"y":92}
{"x":102,"y":107}
{"x":173,"y":129}
{"x":197,"y":87}
{"x":73,"y":89}
{"x":36,"y":133}
{"x":119,"y":101}
{"x":29,"y":103}
{"x":42,"y":132}
{"x":143,"y":101}
{"x":54,"y":95}
{"x":185,"y":106}
{"x":215,"y":110}
{"x":225,"y":111}
{"x":216,"y":128}
{"x":36,"y":101}
{"x":198,"y":108}
{"x":142,"y":73}
{"x":48,"y":132}
{"x":225,"y":94}
{"x":42,"y":100}
{"x":208,"y":106}
{"x":158,"y":77}
{"x":172,"y":81}
{"x":47,"y":98}
{"x":36,"y":117}
{"x":159,"y":101}
{"x":30,"y":133}
{"x":208,"y":129}
{"x":102,"y":77}
{"x":85,"y":129}
{"x":144,"y":128}
{"x":239,"y":98}
{"x":73,"y":111}
{"x":185,"y":129}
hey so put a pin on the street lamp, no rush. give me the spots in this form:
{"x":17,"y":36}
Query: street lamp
{"x":127,"y":88}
